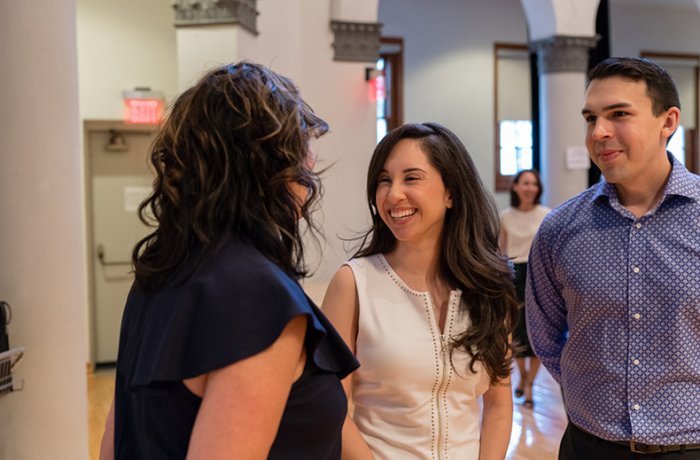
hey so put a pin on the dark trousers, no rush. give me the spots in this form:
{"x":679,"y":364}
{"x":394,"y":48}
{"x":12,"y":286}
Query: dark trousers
{"x":579,"y":445}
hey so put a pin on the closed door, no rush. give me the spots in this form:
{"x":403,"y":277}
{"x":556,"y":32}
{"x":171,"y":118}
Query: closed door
{"x":119,"y":179}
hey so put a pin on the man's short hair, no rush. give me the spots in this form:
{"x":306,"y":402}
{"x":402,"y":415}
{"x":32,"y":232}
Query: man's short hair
{"x":661,"y":88}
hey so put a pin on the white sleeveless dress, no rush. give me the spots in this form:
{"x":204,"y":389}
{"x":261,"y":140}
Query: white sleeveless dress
{"x":410,"y":403}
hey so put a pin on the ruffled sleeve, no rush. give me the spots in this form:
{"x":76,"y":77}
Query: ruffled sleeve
{"x":232,"y":307}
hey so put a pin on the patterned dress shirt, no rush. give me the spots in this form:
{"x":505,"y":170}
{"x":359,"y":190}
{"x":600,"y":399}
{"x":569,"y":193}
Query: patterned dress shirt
{"x":613,"y":311}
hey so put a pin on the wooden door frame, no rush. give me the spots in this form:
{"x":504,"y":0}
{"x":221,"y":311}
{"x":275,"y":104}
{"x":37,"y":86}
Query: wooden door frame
{"x":501,"y":183}
{"x":396,"y":83}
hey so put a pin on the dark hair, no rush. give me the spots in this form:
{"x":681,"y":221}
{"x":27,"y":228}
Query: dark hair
{"x":514,"y":198}
{"x":223,"y":161}
{"x":661,"y":88}
{"x":469,"y":256}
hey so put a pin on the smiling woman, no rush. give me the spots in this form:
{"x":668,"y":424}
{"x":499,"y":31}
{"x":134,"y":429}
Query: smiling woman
{"x":427,"y":305}
{"x":411,"y":197}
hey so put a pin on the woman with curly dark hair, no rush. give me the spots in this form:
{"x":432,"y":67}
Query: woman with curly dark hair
{"x":427,"y":305}
{"x":221,"y":354}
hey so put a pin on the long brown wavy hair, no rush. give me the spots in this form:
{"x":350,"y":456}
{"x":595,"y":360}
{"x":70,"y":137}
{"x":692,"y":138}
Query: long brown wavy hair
{"x":223,"y":161}
{"x":469,"y":257}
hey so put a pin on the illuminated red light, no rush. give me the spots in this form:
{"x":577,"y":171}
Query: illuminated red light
{"x":380,"y":88}
{"x":377,"y":88}
{"x":144,"y":111}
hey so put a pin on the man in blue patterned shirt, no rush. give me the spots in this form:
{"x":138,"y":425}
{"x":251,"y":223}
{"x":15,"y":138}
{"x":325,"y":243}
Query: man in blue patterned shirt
{"x":613,"y":296}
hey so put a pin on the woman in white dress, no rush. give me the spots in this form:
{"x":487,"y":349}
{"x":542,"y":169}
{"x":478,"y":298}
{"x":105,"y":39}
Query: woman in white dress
{"x":426,"y":305}
{"x":519,"y":223}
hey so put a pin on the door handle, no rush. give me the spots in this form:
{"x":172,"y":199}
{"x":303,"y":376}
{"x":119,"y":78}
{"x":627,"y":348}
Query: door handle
{"x":108,"y":263}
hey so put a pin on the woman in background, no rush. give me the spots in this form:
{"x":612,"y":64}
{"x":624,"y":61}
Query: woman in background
{"x":426,"y":306}
{"x":519,"y":223}
{"x":221,"y":354}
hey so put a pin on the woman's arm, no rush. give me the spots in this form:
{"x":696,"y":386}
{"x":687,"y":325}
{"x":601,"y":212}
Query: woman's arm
{"x":503,"y":240}
{"x":497,"y":421}
{"x":341,"y":306}
{"x":107,"y":445}
{"x":242,"y":404}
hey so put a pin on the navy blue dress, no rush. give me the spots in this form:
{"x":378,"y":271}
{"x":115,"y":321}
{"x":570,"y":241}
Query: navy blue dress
{"x":229,"y":308}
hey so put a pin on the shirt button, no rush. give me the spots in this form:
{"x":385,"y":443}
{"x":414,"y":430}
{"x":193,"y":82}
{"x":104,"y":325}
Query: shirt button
{"x":636,"y":269}
{"x":638,"y":225}
{"x":637,"y":316}
{"x":636,"y":362}
{"x":636,"y":407}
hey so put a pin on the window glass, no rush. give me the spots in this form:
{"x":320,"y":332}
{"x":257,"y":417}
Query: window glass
{"x":381,"y":105}
{"x":677,"y":144}
{"x":515,"y":146}
{"x":513,"y":112}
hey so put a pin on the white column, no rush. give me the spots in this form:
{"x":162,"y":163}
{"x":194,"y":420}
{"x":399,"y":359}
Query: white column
{"x":561,"y":100}
{"x":203,"y":48}
{"x":209,"y":34}
{"x":42,"y":253}
{"x":561,"y":31}
{"x":562,"y":65}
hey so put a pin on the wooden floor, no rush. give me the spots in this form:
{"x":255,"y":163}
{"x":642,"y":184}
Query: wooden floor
{"x":536,"y":432}
{"x":100,"y":384}
{"x":535,"y":436}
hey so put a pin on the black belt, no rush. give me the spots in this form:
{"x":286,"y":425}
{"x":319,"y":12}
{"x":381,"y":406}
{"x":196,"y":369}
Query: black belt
{"x":641,"y":448}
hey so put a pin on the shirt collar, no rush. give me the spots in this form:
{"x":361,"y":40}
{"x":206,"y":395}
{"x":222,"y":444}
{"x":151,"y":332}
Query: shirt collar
{"x":680,"y":182}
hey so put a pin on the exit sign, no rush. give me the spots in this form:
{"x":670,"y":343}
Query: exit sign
{"x":143,"y":106}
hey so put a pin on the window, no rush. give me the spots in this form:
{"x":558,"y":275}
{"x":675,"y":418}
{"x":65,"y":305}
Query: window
{"x":382,"y":98}
{"x":684,"y":68}
{"x":677,"y":144}
{"x":515,"y":142}
{"x":512,"y":111}
{"x":390,"y":86}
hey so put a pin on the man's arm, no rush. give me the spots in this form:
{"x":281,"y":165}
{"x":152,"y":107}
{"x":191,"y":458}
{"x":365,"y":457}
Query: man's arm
{"x":545,"y":308}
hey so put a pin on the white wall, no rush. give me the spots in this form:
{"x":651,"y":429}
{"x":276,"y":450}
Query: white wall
{"x":662,"y":28}
{"x":121,"y":45}
{"x":449,"y":62}
{"x":339,"y":93}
